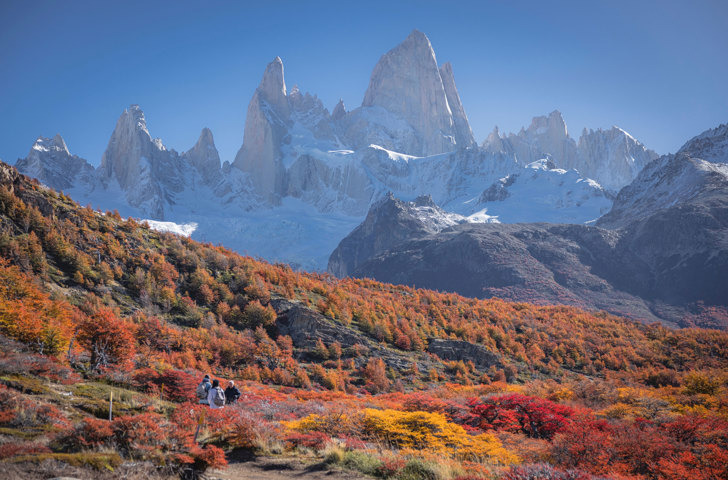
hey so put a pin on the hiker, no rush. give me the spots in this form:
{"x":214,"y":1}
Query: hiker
{"x":203,"y":389}
{"x":216,"y":396}
{"x":231,"y":393}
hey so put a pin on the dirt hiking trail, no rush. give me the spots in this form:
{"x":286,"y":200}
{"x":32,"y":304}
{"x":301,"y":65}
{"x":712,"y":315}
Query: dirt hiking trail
{"x":281,"y":468}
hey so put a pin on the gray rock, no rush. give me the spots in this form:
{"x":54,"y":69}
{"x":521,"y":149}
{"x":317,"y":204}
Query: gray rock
{"x":455,"y":350}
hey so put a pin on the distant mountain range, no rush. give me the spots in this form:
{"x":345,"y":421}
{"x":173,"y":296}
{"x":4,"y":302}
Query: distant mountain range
{"x":305,"y":177}
{"x":660,"y":253}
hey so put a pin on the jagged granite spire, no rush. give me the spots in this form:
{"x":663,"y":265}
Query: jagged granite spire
{"x":339,"y":110}
{"x":50,"y":161}
{"x":205,"y":158}
{"x":547,"y":136}
{"x":407,"y":83}
{"x":129,"y":144}
{"x":463,"y":132}
{"x":612,"y":157}
{"x":145,"y":170}
{"x":266,"y":125}
{"x":272,"y":87}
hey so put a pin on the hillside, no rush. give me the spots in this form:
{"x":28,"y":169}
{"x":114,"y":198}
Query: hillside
{"x":388,"y":380}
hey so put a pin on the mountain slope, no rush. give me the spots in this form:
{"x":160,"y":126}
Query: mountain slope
{"x":661,"y":253}
{"x":87,"y":255}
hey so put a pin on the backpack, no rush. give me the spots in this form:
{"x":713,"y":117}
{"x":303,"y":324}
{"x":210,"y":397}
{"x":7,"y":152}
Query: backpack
{"x":202,"y":391}
{"x":219,"y":397}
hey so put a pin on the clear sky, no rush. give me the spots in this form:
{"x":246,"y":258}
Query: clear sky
{"x":658,"y":69}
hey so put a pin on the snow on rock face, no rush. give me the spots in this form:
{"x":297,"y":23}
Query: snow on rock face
{"x":389,"y":222}
{"x":406,"y":82}
{"x":687,"y":177}
{"x":668,"y":181}
{"x":266,"y":125}
{"x":144,"y":169}
{"x":547,"y":135}
{"x":50,"y":162}
{"x":184,"y":229}
{"x":611,"y":157}
{"x":463,"y":132}
{"x":711,"y":145}
{"x":273,"y":87}
{"x":542,"y":193}
{"x":204,"y":157}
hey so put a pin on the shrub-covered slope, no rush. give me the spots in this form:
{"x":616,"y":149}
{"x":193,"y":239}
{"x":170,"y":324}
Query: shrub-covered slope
{"x":382,"y":378}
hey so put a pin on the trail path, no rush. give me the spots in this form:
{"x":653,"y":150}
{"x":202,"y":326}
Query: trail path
{"x":278,"y":468}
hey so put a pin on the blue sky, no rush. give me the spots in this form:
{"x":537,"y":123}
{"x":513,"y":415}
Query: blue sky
{"x":658,"y":69}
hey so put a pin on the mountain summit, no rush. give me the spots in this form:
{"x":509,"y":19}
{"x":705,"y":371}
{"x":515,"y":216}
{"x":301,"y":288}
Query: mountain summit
{"x":304,"y":177}
{"x":408,"y":83}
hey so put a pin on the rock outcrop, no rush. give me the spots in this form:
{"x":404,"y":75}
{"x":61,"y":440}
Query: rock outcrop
{"x":389,"y":222}
{"x":307,"y":327}
{"x":456,"y":350}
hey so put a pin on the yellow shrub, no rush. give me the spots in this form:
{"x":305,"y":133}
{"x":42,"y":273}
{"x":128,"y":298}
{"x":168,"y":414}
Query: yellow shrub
{"x":432,"y":432}
{"x":411,"y":432}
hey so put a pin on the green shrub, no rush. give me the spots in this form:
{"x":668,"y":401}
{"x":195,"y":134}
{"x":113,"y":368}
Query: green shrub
{"x":417,"y":469}
{"x":362,"y":461}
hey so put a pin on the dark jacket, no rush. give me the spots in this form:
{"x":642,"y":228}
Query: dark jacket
{"x":231,"y":395}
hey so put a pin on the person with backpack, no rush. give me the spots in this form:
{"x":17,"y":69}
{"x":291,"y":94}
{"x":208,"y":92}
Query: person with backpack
{"x":216,"y":396}
{"x":203,"y":389}
{"x":231,"y":393}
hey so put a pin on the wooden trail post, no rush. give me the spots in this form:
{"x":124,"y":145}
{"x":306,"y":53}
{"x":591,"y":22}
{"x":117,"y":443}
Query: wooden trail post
{"x":111,"y":403}
{"x":200,"y":421}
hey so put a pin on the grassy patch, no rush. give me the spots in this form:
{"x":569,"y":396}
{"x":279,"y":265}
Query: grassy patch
{"x":25,"y":384}
{"x":99,"y":461}
{"x":362,"y":462}
{"x":24,"y":433}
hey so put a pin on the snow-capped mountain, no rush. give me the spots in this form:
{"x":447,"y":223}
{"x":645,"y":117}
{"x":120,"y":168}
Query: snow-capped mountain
{"x":661,"y":253}
{"x":50,"y":162}
{"x":611,"y":157}
{"x":150,"y":175}
{"x":389,"y":222}
{"x":697,"y":174}
{"x":304,"y":178}
{"x":711,"y":145}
